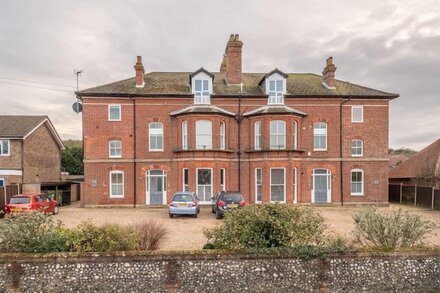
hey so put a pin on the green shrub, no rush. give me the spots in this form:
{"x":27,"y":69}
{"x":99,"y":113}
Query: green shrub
{"x":88,"y":237}
{"x":30,"y":232}
{"x":150,"y":234}
{"x":268,"y":226}
{"x":390,"y":230}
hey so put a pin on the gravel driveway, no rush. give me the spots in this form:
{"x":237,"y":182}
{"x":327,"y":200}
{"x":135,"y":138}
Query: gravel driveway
{"x":186,"y":233}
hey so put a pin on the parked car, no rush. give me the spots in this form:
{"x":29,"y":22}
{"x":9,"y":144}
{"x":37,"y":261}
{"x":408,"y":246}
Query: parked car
{"x":226,"y":201}
{"x":184,"y":203}
{"x":32,"y":202}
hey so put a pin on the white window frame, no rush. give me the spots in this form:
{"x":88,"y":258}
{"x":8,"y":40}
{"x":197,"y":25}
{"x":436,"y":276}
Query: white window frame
{"x":295,"y":135}
{"x":283,"y":146}
{"x":276,"y":96}
{"x":119,"y":109}
{"x":256,"y":185}
{"x":197,"y":183}
{"x":357,"y":147}
{"x":198,"y":145}
{"x":222,"y":135}
{"x":205,"y":93}
{"x":257,"y":135}
{"x":157,"y":135}
{"x":3,"y":182}
{"x":223,"y":177}
{"x":352,"y":114}
{"x":110,"y":148}
{"x":184,"y":135}
{"x":362,"y":182}
{"x":111,"y":184}
{"x":295,"y":184}
{"x":8,"y":142}
{"x":284,"y":184}
{"x":183,"y":179}
{"x":315,"y":134}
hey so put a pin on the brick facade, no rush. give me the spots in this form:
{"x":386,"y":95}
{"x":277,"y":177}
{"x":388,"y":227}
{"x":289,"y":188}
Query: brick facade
{"x":239,"y":158}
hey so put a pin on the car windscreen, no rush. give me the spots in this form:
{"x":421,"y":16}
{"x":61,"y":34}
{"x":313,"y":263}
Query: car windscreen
{"x":182,"y":197}
{"x":232,"y":197}
{"x":20,"y":200}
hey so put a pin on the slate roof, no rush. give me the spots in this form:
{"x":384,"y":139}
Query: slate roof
{"x":427,"y":159}
{"x":202,"y":109}
{"x":18,"y":126}
{"x":274,"y":110}
{"x":177,"y":83}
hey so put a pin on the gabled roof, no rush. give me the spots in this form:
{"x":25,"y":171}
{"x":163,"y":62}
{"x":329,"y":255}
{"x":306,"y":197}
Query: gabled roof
{"x":274,"y":110}
{"x":202,"y":109}
{"x":201,"y":70}
{"x":176,"y":83}
{"x":427,"y":160}
{"x":20,"y":127}
{"x":276,"y":70}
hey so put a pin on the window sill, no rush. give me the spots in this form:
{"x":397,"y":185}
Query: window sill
{"x":357,"y":156}
{"x":357,"y":194}
{"x":116,"y":197}
{"x":275,"y":150}
{"x":114,"y":120}
{"x":202,"y":150}
{"x":115,"y":157}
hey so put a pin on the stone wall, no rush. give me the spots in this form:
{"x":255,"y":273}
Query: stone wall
{"x":207,"y":272}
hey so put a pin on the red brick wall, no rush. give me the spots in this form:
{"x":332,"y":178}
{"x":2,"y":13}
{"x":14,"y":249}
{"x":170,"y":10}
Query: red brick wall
{"x":98,"y":131}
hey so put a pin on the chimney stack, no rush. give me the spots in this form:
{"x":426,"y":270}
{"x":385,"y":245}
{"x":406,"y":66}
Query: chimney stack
{"x":231,"y":63}
{"x":328,"y":75}
{"x":140,"y":71}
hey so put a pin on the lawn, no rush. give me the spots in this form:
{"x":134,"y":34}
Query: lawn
{"x":186,"y":233}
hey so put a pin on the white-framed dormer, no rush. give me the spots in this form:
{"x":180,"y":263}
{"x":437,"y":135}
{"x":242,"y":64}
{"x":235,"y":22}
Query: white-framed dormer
{"x":274,"y":84}
{"x":201,"y":86}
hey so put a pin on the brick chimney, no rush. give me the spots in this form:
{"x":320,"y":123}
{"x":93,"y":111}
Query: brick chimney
{"x":232,"y":60}
{"x":328,"y":75}
{"x":140,"y":71}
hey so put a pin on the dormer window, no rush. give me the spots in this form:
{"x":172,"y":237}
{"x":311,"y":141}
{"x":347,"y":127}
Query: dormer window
{"x":201,"y":91}
{"x":274,"y":85}
{"x":276,"y":92}
{"x":201,"y":86}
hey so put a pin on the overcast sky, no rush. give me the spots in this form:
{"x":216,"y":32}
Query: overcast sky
{"x":383,"y":44}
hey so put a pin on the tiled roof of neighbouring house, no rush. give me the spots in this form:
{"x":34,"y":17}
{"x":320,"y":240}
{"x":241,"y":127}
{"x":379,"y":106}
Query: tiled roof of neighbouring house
{"x":177,"y":83}
{"x":20,"y":126}
{"x":12,"y":126}
{"x":425,"y":161}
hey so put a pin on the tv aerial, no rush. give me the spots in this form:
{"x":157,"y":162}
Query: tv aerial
{"x":77,"y":106}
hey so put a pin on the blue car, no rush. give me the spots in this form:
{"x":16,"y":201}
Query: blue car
{"x":184,"y":203}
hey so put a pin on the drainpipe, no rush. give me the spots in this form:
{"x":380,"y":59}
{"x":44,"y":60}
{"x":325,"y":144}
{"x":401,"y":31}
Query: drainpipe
{"x":341,"y":149}
{"x":239,"y":118}
{"x":134,"y":152}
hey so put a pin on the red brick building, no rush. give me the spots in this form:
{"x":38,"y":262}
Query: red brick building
{"x":285,"y":137}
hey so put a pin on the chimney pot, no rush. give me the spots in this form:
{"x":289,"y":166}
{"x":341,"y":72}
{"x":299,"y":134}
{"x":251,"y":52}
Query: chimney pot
{"x":140,"y":71}
{"x":328,"y":75}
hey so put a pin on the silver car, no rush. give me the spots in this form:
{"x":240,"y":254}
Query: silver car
{"x":184,"y":203}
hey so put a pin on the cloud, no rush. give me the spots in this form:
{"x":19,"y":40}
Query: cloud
{"x":384,"y":44}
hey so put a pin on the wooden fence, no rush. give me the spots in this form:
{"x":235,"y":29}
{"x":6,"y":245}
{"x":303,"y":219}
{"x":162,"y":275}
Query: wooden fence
{"x":427,"y":197}
{"x":5,"y":194}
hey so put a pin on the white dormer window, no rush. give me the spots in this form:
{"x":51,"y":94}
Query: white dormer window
{"x":276,"y":92}
{"x":201,"y":91}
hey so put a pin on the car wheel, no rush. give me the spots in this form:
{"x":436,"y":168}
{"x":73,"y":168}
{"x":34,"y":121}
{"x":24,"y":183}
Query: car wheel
{"x":196,"y":215}
{"x":217,"y":215}
{"x":171,"y":216}
{"x":56,"y":210}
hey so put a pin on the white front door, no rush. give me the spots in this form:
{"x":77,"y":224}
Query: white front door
{"x":321,"y":190}
{"x":156,"y":187}
{"x":204,"y":185}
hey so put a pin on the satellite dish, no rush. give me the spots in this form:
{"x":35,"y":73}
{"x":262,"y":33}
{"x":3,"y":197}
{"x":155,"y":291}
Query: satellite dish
{"x":77,"y":107}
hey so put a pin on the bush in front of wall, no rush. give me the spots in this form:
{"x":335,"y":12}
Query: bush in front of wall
{"x":397,"y":229}
{"x":268,"y":226}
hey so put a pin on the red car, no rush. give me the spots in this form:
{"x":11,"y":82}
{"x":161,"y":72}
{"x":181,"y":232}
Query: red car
{"x":28,"y":202}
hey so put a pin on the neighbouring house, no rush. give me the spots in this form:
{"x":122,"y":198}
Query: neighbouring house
{"x":30,"y":150}
{"x":274,"y":136}
{"x":423,"y":168}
